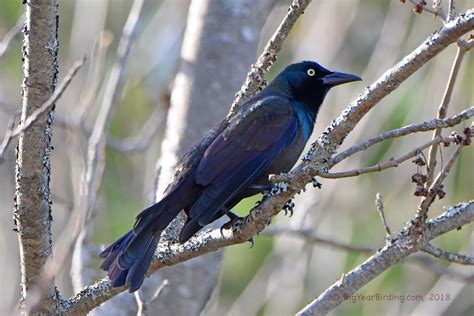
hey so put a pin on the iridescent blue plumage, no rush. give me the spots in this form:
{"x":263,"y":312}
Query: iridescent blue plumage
{"x":266,"y":137}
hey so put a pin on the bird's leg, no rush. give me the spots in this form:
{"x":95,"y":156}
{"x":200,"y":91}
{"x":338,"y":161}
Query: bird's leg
{"x":264,"y":188}
{"x":289,"y":207}
{"x":316,"y":183}
{"x":233,"y":224}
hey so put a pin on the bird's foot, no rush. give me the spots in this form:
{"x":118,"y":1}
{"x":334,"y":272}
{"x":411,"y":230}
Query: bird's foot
{"x":279,"y":187}
{"x":289,"y":207}
{"x":316,"y":183}
{"x":234,"y":222}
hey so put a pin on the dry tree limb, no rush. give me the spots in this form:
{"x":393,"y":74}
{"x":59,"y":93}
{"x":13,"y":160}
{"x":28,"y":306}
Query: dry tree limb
{"x":309,"y":236}
{"x":32,"y":207}
{"x":5,"y":44}
{"x":404,"y":245}
{"x":255,"y":78}
{"x":45,"y":107}
{"x":403,"y":131}
{"x":443,"y":110}
{"x":390,"y":163}
{"x":422,"y":6}
{"x":435,"y":188}
{"x":380,"y":210}
{"x":448,"y":256}
{"x":143,"y":139}
{"x":96,"y":149}
{"x":143,"y":304}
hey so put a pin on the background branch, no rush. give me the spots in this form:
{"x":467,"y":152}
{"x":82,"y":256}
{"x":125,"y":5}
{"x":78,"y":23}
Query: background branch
{"x":404,"y":245}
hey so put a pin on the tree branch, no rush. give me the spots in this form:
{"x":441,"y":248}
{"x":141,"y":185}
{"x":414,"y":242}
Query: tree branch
{"x":5,"y":44}
{"x":390,"y":163}
{"x":45,"y":107}
{"x":443,"y":110}
{"x":449,"y":256}
{"x":32,"y":210}
{"x":255,"y":78}
{"x":309,"y":236}
{"x":403,"y":131}
{"x":404,"y":245}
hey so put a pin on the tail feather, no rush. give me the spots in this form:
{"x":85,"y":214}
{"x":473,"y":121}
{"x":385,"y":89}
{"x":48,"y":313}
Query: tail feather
{"x":128,"y":259}
{"x":136,"y":274}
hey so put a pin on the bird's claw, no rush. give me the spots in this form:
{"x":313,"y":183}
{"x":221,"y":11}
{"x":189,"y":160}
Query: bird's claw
{"x":252,"y":242}
{"x":289,"y":207}
{"x":233,"y":223}
{"x":316,"y":183}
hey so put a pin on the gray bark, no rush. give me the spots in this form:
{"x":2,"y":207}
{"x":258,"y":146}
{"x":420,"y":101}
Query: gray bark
{"x":32,"y":212}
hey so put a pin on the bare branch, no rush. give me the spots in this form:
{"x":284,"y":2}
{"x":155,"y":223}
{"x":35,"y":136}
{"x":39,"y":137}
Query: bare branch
{"x":255,"y":78}
{"x":449,"y":256}
{"x":443,"y":110}
{"x":451,"y":9}
{"x":32,"y":210}
{"x":5,"y":44}
{"x":309,"y":236}
{"x":143,"y":139}
{"x":95,"y":163}
{"x":404,"y":245}
{"x":434,"y":189}
{"x":45,"y":107}
{"x":421,"y":5}
{"x":391,"y":163}
{"x":430,"y":264}
{"x":403,"y":131}
{"x":142,"y":305}
{"x":379,"y":206}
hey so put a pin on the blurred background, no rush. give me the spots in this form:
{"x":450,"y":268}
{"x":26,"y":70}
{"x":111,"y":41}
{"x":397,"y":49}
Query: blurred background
{"x":281,"y":273}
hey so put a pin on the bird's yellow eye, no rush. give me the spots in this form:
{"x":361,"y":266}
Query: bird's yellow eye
{"x":311,"y":72}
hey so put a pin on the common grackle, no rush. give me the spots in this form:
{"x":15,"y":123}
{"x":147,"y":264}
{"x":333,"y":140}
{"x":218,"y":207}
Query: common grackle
{"x":266,"y":137}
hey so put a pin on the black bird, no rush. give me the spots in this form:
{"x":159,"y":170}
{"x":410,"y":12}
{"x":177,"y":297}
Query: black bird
{"x":266,"y":137}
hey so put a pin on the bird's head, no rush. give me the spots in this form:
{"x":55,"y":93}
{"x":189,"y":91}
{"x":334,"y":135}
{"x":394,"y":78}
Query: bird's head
{"x":309,"y":82}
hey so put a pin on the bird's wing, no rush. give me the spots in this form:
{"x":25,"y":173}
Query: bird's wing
{"x":242,"y":153}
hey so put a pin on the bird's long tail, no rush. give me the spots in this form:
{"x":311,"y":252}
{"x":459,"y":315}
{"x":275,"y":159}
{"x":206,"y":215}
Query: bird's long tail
{"x":128,"y":259}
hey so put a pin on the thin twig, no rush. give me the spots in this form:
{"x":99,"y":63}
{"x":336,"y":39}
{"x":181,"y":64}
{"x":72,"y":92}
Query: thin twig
{"x":98,"y":58}
{"x":96,"y":149}
{"x":433,"y":266}
{"x":426,"y":201}
{"x":143,"y":139}
{"x":449,"y":256}
{"x":5,"y":44}
{"x":309,"y":236}
{"x":421,"y":5}
{"x":141,"y":304}
{"x":403,"y":131}
{"x":442,"y":111}
{"x":451,"y":10}
{"x":379,"y":206}
{"x":45,"y":107}
{"x":404,"y":245}
{"x":390,"y":163}
{"x":255,"y":78}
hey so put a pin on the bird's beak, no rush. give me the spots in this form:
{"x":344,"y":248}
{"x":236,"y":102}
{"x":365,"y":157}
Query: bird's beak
{"x":337,"y":78}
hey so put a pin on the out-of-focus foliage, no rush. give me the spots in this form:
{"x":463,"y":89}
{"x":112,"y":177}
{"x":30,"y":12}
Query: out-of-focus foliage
{"x":279,"y":274}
